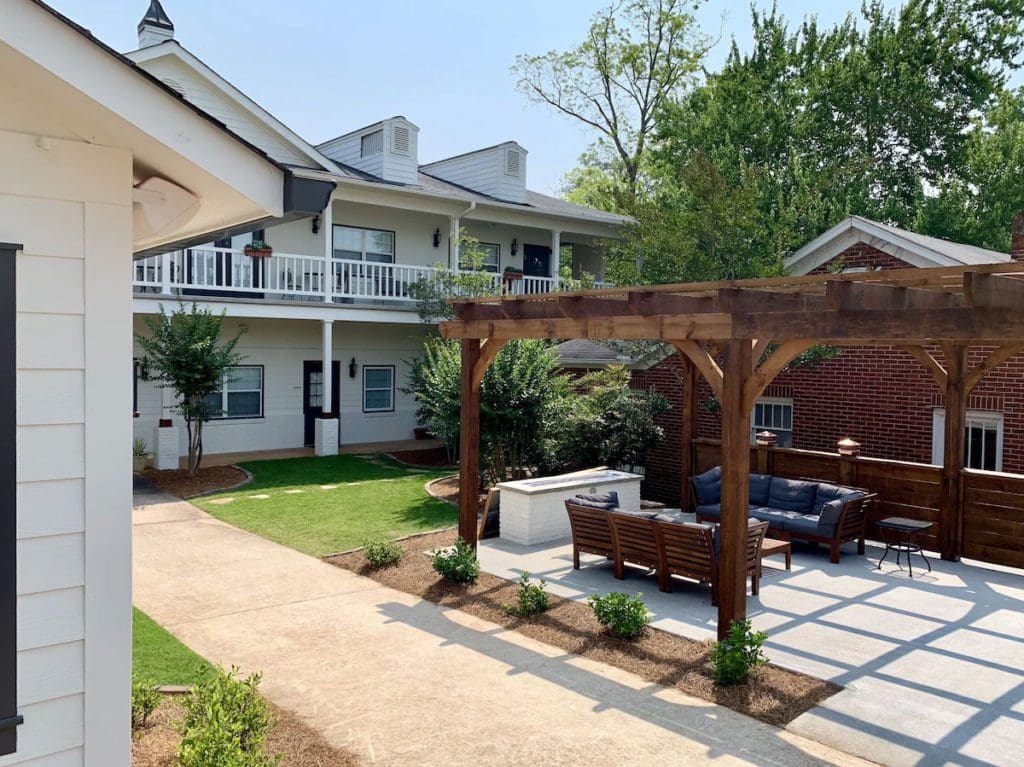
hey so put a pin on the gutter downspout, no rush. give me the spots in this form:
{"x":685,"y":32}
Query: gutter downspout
{"x":454,"y":235}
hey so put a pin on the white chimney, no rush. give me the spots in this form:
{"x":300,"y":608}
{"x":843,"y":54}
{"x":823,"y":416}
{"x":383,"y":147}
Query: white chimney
{"x":155,"y":27}
{"x":498,"y":171}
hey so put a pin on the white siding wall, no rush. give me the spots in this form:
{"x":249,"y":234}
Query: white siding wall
{"x":70,"y":206}
{"x":484,"y":171}
{"x":281,"y":346}
{"x":209,"y":98}
{"x":387,"y":164}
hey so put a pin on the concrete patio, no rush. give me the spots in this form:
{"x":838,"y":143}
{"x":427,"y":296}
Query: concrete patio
{"x":932,"y":668}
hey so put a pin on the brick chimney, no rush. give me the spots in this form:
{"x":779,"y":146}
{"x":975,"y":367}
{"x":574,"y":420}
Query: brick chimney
{"x":1017,"y":238}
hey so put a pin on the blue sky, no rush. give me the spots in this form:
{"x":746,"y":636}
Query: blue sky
{"x":326,"y":67}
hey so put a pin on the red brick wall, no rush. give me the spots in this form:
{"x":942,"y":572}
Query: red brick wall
{"x":879,"y":396}
{"x":861,"y":256}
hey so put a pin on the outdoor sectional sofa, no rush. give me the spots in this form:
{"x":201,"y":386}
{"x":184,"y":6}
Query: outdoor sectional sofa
{"x":660,"y":541}
{"x":818,"y":512}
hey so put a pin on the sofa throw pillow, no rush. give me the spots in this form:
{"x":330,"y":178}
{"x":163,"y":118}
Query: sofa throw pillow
{"x":611,"y":497}
{"x":829,"y":517}
{"x":792,"y":495}
{"x":709,"y":486}
{"x":760,"y":485}
{"x":826,"y":492}
{"x":587,"y":503}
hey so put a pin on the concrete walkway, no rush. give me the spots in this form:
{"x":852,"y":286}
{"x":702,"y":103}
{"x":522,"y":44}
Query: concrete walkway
{"x":401,"y":681}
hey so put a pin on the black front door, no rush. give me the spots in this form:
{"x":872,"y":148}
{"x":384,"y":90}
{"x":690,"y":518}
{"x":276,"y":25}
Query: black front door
{"x":313,"y":394}
{"x":536,"y":261}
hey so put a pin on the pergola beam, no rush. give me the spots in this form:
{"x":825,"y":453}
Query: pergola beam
{"x":767,"y":371}
{"x":990,"y":363}
{"x":993,"y":291}
{"x":747,"y":300}
{"x":869,"y":296}
{"x":932,"y":365}
{"x":704,"y":362}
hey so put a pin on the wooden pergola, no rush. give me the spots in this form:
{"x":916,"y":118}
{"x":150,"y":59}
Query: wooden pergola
{"x":755,"y":328}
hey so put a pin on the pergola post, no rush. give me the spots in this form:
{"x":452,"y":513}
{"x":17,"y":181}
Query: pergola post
{"x":469,"y":442}
{"x":688,"y":429}
{"x":953,"y":450}
{"x":732,"y":568}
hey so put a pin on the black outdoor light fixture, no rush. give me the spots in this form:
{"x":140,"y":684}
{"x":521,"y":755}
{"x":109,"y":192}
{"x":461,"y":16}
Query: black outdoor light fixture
{"x":515,"y":246}
{"x":316,"y":224}
{"x":437,"y":237}
{"x":352,"y":368}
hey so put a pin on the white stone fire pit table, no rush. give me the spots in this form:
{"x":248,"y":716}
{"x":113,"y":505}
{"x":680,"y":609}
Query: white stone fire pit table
{"x":533,"y":510}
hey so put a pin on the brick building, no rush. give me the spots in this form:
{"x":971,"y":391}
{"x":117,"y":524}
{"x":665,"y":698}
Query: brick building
{"x":879,"y":396}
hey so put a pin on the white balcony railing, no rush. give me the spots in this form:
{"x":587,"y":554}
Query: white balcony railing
{"x":284,"y":276}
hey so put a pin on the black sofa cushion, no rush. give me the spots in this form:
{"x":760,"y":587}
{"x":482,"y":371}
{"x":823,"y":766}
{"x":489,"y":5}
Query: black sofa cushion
{"x":709,"y":486}
{"x":792,"y":495}
{"x":828,"y":519}
{"x":711,"y":510}
{"x":611,"y":497}
{"x":760,"y":487}
{"x":602,"y":501}
{"x":804,"y":524}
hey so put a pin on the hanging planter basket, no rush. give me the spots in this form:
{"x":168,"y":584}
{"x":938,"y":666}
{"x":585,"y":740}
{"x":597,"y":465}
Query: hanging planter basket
{"x":252,"y":252}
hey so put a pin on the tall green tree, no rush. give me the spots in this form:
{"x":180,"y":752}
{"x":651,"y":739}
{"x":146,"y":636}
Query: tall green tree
{"x":185,"y":353}
{"x":637,"y":54}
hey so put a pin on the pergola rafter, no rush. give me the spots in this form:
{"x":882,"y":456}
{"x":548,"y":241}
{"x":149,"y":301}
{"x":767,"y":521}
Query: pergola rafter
{"x":736,"y":322}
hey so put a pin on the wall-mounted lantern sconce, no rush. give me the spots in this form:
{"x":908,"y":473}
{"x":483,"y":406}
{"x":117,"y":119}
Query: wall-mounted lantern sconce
{"x":352,"y":368}
{"x":437,"y":237}
{"x":316,"y":224}
{"x":515,"y":246}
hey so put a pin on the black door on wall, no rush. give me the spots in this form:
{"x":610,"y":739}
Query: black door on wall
{"x":536,"y":261}
{"x":313,"y":394}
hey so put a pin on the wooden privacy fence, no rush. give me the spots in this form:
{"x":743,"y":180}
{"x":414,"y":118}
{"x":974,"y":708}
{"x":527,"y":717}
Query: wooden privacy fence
{"x":991,"y":511}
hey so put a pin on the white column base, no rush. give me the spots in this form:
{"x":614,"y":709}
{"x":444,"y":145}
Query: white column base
{"x":325,"y":436}
{"x":165,"y":448}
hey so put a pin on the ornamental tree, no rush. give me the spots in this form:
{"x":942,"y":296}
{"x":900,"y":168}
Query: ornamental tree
{"x":184,"y":352}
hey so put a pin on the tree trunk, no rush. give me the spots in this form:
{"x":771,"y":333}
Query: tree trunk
{"x":195,"y":446}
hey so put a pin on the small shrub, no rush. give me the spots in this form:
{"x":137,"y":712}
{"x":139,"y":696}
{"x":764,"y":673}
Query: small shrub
{"x":459,"y":564}
{"x":226,"y":723}
{"x":733,"y":658}
{"x":531,"y":599}
{"x":623,"y":616}
{"x":382,"y":553}
{"x":145,"y":700}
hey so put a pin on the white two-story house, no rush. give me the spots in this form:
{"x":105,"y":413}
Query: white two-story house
{"x":329,"y":327}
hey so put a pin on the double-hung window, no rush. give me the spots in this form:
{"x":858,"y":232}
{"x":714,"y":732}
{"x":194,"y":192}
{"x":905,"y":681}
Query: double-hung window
{"x":983,"y":439}
{"x":491,"y":253}
{"x":240,"y":394}
{"x":378,"y":388}
{"x":774,"y":414}
{"x":357,"y":244}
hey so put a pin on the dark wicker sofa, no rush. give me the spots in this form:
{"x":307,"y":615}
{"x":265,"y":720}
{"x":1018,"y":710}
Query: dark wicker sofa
{"x":818,"y":512}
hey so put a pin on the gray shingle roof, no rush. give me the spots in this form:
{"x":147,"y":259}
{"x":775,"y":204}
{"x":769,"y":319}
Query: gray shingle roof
{"x":969,"y":255}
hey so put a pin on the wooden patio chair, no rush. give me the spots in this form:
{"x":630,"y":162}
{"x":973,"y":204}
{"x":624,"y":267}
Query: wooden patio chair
{"x":490,"y":519}
{"x":591,"y":532}
{"x":633,"y":539}
{"x":688,"y":550}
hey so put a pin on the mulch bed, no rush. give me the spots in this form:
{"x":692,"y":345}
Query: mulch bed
{"x":429,"y":457}
{"x":773,"y":695}
{"x":210,"y":478}
{"x":301,"y":746}
{"x":447,"y":489}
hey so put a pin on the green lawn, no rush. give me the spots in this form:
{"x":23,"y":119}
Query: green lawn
{"x":159,"y":657}
{"x":336,"y":502}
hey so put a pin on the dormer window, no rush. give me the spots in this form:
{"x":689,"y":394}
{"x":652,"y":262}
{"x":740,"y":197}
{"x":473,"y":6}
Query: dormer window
{"x":371,"y":143}
{"x":400,"y":139}
{"x":513,"y":162}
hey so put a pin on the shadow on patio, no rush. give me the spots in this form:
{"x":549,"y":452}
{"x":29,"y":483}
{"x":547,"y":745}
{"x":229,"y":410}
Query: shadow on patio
{"x":711,"y":732}
{"x":933,"y":668}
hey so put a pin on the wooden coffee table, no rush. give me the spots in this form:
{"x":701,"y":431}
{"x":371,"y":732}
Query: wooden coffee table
{"x":770,"y":546}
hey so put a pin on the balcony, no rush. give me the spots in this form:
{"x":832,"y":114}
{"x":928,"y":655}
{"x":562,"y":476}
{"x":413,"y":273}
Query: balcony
{"x":226,"y":272}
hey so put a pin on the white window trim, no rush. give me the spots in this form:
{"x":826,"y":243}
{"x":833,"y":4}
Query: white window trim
{"x":987,"y":417}
{"x":365,"y":238}
{"x":486,"y":266}
{"x":223,"y":416}
{"x":391,"y":389}
{"x":786,"y":401}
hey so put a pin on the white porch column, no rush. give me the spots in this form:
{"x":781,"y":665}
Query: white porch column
{"x":325,"y":437}
{"x":327,"y":230}
{"x":165,"y":273}
{"x":166,"y":444}
{"x":453,"y":237}
{"x":556,"y":251}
